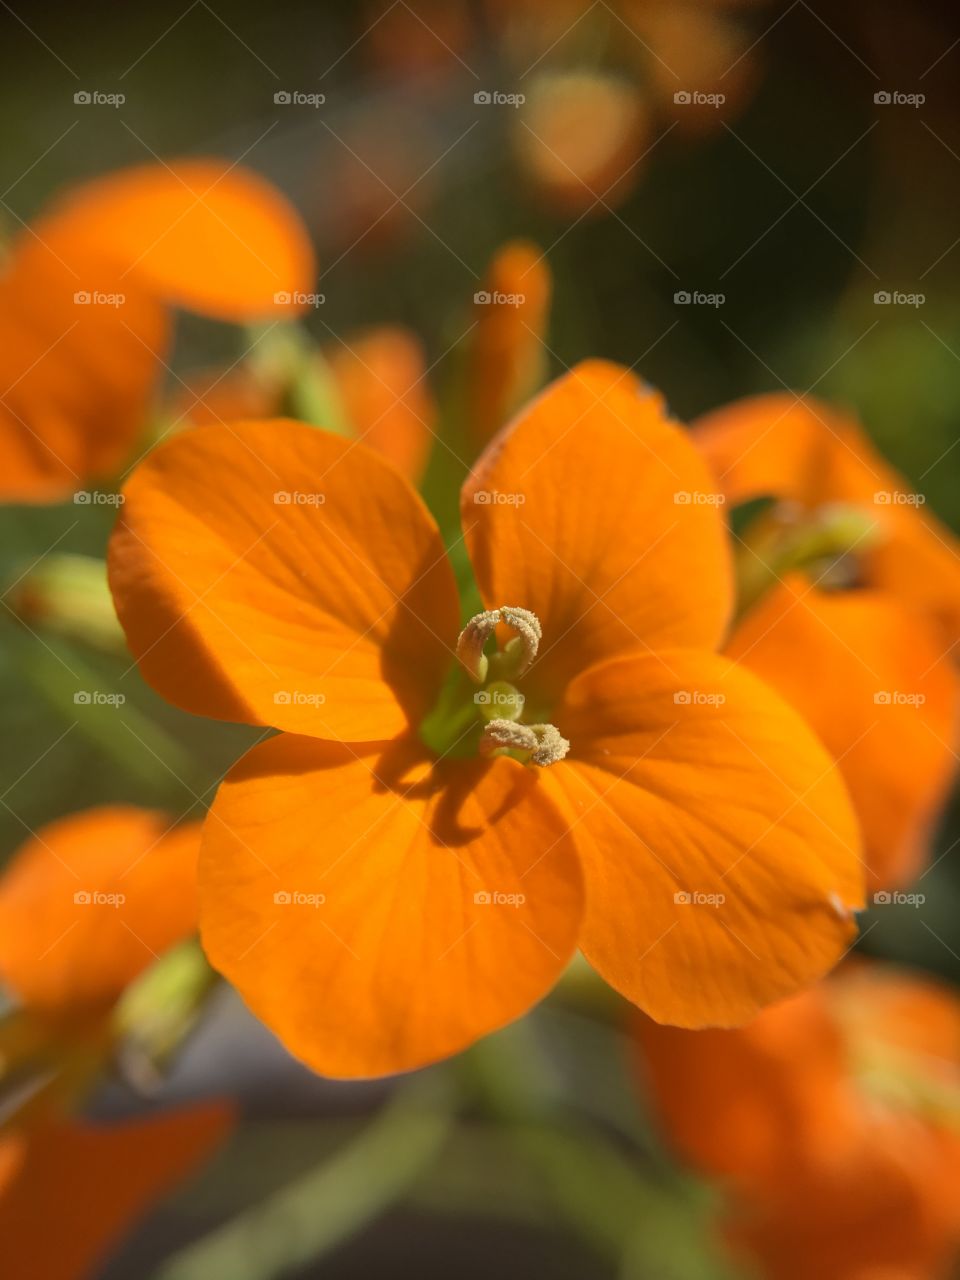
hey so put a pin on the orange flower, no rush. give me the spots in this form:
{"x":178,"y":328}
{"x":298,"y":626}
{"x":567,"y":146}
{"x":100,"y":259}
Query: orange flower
{"x":807,"y":454}
{"x":380,"y":882}
{"x":581,"y":138}
{"x":381,"y":377}
{"x":86,"y":905}
{"x":508,"y":351}
{"x":376,"y":380}
{"x":831,"y":1121}
{"x":874,"y":680}
{"x":99,"y":1180}
{"x":89,"y":902}
{"x":84,"y":298}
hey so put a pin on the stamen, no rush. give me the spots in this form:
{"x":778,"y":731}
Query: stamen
{"x":552,"y":745}
{"x":528,"y":637}
{"x":471,"y":641}
{"x":518,"y":653}
{"x":543,"y":742}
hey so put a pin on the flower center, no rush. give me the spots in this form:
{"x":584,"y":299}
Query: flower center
{"x":481,"y":710}
{"x":828,"y":541}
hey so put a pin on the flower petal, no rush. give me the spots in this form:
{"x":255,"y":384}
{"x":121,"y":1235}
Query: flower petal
{"x":381,"y":377}
{"x":746,"y":1105}
{"x":90,"y":901}
{"x":719,"y":847}
{"x":775,"y":445}
{"x":363,"y":904}
{"x":76,"y":373}
{"x":203,"y":234}
{"x":275,"y":574}
{"x":593,"y":510}
{"x":507,"y":359}
{"x":876,"y":686}
{"x":101,"y":1180}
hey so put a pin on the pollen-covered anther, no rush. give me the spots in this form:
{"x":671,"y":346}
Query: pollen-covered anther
{"x":528,"y":637}
{"x":471,"y":641}
{"x":518,"y":653}
{"x":542,"y":743}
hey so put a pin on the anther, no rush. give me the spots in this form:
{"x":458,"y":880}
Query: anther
{"x":542,"y":743}
{"x":518,"y":653}
{"x":471,"y":641}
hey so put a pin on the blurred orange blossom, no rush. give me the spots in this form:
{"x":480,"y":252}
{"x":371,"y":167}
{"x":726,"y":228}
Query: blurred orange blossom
{"x":85,"y":298}
{"x":863,"y":649}
{"x":86,"y":905}
{"x":831,"y":1121}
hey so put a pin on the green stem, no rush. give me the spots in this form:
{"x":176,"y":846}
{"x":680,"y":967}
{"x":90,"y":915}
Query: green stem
{"x":316,"y":1212}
